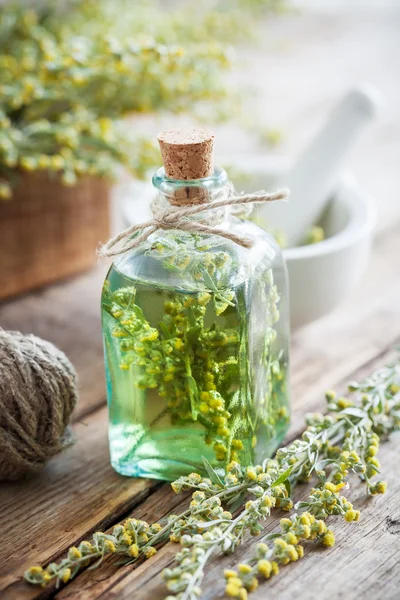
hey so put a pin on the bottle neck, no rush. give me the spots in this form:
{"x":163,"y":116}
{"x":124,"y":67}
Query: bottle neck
{"x":194,"y":191}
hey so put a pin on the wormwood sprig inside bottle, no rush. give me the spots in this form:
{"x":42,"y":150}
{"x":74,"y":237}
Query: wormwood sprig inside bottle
{"x":229,"y":504}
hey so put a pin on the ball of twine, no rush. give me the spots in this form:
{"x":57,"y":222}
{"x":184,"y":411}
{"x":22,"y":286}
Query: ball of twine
{"x":37,"y":396}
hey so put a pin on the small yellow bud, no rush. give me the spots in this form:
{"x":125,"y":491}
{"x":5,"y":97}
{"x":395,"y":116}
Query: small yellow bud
{"x":306,"y":531}
{"x":287,"y":523}
{"x":233,"y":466}
{"x":216,"y":403}
{"x":235,"y":581}
{"x":109,"y":546}
{"x":133,"y":550}
{"x":268,"y":502}
{"x":350,"y":515}
{"x":85,"y":547}
{"x":36,"y":570}
{"x":150,"y":551}
{"x":280,"y":544}
{"x":264,"y":567}
{"x":319,"y":527}
{"x":46,"y":578}
{"x":179,"y":344}
{"x":232,"y":590}
{"x":253,"y":585}
{"x":126,"y":539}
{"x":329,"y":539}
{"x":344,"y":403}
{"x":290,"y":538}
{"x":331,"y":487}
{"x":292,"y":553}
{"x":237,"y":444}
{"x":65,"y":575}
{"x":223,"y":431}
{"x":380,"y":487}
{"x":228,"y":573}
{"x":244,"y":569}
{"x":275,"y":568}
{"x":74,"y":553}
{"x":251,"y":474}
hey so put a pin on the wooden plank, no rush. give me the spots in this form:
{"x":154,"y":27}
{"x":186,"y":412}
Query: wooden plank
{"x":78,"y":492}
{"x":67,"y":314}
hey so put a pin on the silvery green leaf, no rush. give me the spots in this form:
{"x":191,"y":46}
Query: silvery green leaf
{"x":213,"y":475}
{"x":238,"y":501}
{"x":282,"y":478}
{"x":354,"y":412}
{"x":256,"y":490}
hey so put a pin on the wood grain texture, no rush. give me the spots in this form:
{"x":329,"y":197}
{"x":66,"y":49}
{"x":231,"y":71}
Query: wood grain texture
{"x":77,"y":493}
{"x":49,"y":231}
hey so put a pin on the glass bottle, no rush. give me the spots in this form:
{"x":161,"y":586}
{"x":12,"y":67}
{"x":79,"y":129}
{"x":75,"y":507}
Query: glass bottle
{"x":196,"y":332}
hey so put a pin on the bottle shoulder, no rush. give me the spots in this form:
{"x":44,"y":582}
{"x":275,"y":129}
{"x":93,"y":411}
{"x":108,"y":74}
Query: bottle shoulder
{"x":188,"y":261}
{"x":262,"y":240}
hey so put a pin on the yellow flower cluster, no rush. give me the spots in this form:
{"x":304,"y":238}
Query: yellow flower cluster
{"x":65,"y":85}
{"x":132,"y":539}
{"x":283,"y":550}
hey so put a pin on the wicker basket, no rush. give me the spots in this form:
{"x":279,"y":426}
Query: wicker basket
{"x":49,"y":231}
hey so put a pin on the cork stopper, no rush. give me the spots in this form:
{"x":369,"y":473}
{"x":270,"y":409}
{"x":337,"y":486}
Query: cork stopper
{"x":187,"y":153}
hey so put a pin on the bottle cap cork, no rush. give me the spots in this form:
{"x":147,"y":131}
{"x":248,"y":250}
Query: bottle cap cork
{"x":187,"y":153}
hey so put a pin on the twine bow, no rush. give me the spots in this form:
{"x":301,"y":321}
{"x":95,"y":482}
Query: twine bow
{"x":174,"y":217}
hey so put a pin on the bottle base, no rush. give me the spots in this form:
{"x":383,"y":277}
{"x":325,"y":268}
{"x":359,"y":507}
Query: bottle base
{"x":155,"y":456}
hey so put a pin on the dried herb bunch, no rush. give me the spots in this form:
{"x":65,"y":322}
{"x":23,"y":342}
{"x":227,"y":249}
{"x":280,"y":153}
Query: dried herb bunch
{"x":70,"y":71}
{"x":344,"y":441}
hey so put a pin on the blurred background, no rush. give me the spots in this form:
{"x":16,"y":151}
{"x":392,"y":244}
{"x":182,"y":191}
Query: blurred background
{"x":86,"y":85}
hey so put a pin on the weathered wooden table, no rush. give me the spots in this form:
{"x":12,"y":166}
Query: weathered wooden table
{"x":79,"y":493}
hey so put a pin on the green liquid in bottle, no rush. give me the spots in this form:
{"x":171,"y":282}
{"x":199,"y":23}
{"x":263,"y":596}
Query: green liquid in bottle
{"x":191,"y":374}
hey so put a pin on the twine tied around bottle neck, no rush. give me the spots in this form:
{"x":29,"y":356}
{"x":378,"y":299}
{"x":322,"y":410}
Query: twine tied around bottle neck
{"x":176,"y":217}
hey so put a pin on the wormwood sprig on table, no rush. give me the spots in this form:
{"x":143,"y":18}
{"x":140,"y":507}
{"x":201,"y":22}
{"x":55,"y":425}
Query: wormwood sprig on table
{"x":333,"y":446}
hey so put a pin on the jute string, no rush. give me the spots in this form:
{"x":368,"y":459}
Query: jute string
{"x":38,"y":392}
{"x":176,"y":217}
